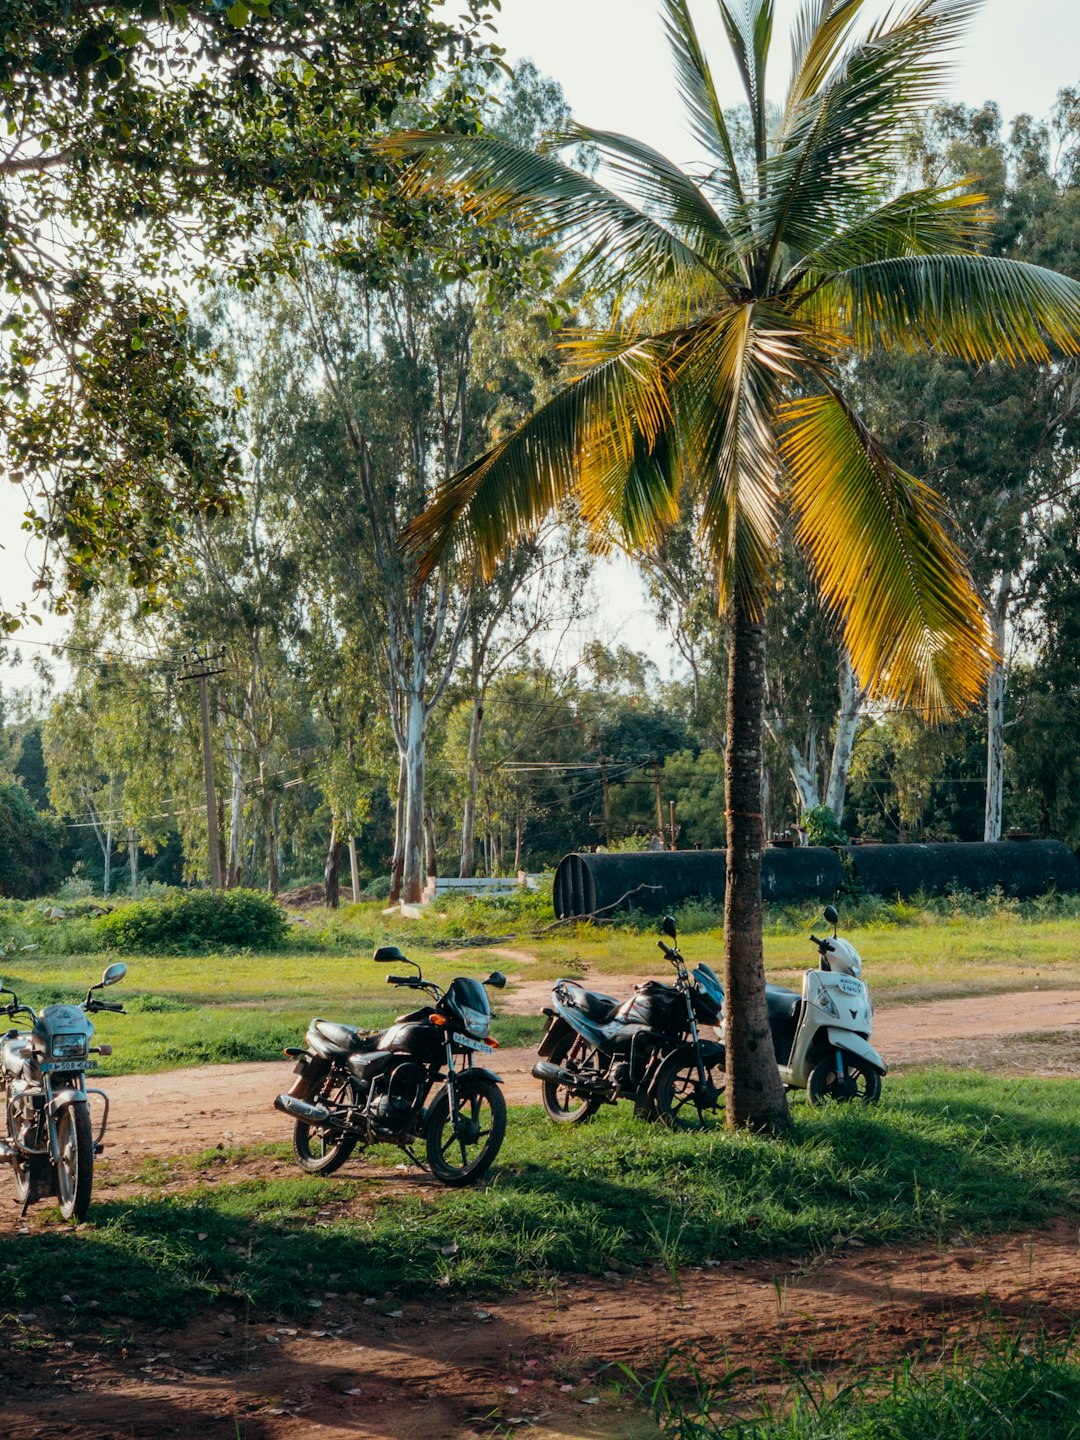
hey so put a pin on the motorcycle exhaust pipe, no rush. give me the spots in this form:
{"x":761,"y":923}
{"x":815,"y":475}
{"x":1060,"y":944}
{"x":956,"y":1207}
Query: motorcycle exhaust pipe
{"x":310,"y":1114}
{"x":556,"y":1075}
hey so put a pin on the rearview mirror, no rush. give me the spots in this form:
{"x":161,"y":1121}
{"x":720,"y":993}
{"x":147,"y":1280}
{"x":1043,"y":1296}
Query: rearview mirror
{"x":830,"y":914}
{"x":669,"y":926}
{"x":387,"y":954}
{"x":114,"y":973}
{"x":497,"y":980}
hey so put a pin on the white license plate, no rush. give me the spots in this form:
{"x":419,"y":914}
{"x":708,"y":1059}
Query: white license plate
{"x":471,"y":1044}
{"x":68,"y":1065}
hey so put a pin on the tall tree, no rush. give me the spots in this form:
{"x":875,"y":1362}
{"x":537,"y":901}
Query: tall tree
{"x":720,"y":377}
{"x":144,"y":146}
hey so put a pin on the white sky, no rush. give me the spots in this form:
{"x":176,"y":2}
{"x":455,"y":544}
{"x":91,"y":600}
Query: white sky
{"x":611,"y":59}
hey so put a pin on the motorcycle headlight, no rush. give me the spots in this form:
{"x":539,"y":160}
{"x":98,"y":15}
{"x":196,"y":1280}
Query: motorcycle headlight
{"x":69,"y":1045}
{"x":477,"y":1022}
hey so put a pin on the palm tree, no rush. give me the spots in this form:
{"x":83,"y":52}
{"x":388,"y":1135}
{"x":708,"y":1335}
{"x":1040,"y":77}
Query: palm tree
{"x":737,"y":297}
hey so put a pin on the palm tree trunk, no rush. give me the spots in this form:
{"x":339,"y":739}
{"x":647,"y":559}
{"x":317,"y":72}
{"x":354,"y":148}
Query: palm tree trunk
{"x":755,"y":1094}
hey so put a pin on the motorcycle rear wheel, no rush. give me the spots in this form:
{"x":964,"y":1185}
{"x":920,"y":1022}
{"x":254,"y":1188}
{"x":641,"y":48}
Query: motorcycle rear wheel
{"x":477,"y":1139}
{"x":322,"y":1151}
{"x":75,"y":1162}
{"x":560,"y":1102}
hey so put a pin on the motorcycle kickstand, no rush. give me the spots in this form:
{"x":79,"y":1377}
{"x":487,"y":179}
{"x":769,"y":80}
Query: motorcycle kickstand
{"x":414,"y":1158}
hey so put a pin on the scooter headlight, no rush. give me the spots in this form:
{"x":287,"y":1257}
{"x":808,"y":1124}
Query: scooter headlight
{"x":824,"y":1001}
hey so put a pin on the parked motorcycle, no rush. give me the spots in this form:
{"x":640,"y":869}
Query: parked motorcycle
{"x":647,"y":1049}
{"x":388,"y":1087}
{"x":50,"y":1139}
{"x":821,"y":1035}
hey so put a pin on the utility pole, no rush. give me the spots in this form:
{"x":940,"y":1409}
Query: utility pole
{"x":607,"y":800}
{"x":199,"y":668}
{"x":671,"y":821}
{"x":659,"y":804}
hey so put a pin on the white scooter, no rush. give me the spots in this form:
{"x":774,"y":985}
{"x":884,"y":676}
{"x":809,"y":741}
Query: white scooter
{"x":822,"y":1036}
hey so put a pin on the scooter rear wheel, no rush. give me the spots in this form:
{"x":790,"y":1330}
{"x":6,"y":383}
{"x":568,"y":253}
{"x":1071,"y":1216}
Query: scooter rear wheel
{"x":560,"y":1102}
{"x":860,"y":1081}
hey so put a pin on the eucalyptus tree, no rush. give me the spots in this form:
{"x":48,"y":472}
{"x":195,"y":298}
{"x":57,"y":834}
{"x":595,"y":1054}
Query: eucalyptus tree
{"x":719,"y":380}
{"x":145,"y":146}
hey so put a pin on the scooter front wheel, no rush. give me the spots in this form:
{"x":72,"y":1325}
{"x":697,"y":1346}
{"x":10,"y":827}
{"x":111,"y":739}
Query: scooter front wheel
{"x":560,"y":1101}
{"x":859,"y":1081}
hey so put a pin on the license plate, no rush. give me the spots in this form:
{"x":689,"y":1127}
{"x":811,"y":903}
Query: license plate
{"x":67,"y":1065}
{"x":471,"y":1044}
{"x":851,"y":987}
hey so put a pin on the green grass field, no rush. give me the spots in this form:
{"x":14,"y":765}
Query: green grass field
{"x":946,"y":1155}
{"x":192,"y":1009}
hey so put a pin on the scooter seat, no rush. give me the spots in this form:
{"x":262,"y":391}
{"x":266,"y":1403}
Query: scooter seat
{"x":782,"y":1004}
{"x":594,"y":1006}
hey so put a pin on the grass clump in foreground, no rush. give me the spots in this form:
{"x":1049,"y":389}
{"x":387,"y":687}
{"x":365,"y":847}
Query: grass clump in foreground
{"x":947,"y":1153}
{"x":1017,"y":1389}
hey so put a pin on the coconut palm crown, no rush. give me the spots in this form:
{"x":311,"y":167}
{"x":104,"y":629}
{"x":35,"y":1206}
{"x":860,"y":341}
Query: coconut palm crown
{"x":737,"y":296}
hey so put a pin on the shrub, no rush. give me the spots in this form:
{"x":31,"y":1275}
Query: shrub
{"x":196,"y":920}
{"x":822,"y":827}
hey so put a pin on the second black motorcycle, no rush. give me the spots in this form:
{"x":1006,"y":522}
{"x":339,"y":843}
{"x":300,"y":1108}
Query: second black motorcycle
{"x":647,"y":1049}
{"x":415,"y":1081}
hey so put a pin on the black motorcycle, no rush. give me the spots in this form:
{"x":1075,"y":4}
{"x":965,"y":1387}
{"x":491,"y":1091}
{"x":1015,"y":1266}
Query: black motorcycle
{"x":388,"y":1087}
{"x":647,"y":1049}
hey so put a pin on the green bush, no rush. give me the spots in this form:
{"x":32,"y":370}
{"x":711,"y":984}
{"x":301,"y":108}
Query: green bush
{"x":29,"y":845}
{"x":822,"y":827}
{"x":196,"y":920}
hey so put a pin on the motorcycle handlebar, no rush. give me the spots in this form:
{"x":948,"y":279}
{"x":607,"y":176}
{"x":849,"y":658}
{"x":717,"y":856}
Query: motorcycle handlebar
{"x":117,"y":1009}
{"x":401,"y":979}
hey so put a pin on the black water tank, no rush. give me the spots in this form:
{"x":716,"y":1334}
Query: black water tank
{"x":1020,"y":868}
{"x":658,"y":880}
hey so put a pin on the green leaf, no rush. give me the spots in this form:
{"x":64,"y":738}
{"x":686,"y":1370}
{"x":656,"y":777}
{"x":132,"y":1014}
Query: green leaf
{"x":238,"y":13}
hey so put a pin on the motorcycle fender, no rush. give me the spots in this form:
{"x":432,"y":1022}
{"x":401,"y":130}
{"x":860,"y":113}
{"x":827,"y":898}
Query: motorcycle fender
{"x":310,"y":1071}
{"x":557,"y":1028}
{"x":63,"y":1098}
{"x":848,"y":1040}
{"x":459,"y":1076}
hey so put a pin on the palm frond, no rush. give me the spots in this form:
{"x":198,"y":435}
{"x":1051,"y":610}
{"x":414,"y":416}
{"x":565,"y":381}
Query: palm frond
{"x":977,"y":307}
{"x":704,"y":111}
{"x":884,"y":562}
{"x":620,"y":245}
{"x":837,"y":147}
{"x":749,"y":30}
{"x":599,"y":433}
{"x":818,"y":34}
{"x":661,"y":185}
{"x":941,"y":220}
{"x":730,"y":374}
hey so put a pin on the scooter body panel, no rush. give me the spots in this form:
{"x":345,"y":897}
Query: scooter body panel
{"x":845,"y":1040}
{"x":831,"y":1003}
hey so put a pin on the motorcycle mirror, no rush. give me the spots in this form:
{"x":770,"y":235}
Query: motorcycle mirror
{"x":387,"y":954}
{"x":830,"y":914}
{"x":114,"y":973}
{"x":668,"y":927}
{"x":497,"y":980}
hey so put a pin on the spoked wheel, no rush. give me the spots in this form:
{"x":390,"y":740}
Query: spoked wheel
{"x":75,"y":1161}
{"x":683,"y":1100}
{"x":460,"y":1154}
{"x":859,"y":1081}
{"x":560,"y":1102}
{"x":322,"y":1150}
{"x":31,"y":1177}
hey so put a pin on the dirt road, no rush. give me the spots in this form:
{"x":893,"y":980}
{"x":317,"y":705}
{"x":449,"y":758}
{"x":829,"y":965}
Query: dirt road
{"x":232,"y":1104}
{"x":440,"y":1369}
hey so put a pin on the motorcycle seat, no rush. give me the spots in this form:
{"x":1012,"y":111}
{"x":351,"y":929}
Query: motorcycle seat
{"x":593,"y":1005}
{"x":782,"y":1004}
{"x":335,"y":1042}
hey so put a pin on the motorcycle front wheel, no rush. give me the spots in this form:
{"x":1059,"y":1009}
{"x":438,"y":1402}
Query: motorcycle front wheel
{"x":560,"y":1102}
{"x":459,"y":1154}
{"x":31,"y":1177}
{"x":321,"y":1151}
{"x":75,"y":1161}
{"x":682,"y":1100}
{"x":860,"y":1081}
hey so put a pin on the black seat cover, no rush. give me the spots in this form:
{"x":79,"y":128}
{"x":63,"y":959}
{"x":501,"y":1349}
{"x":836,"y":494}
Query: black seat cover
{"x":782,"y":1004}
{"x":336,"y":1041}
{"x":594,"y":1006}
